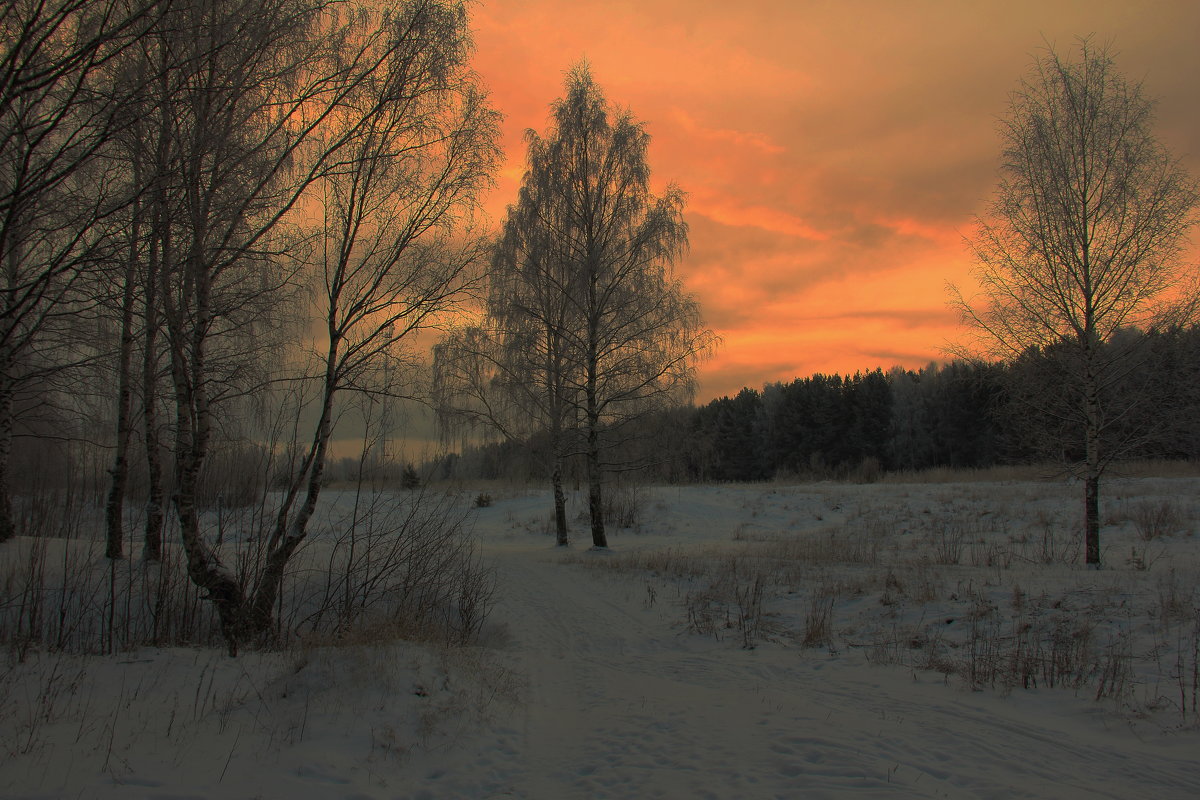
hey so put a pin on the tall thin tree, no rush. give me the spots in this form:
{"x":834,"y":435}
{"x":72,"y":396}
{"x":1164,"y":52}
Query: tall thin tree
{"x":59,"y":199}
{"x":253,"y":84}
{"x":1082,"y":239}
{"x":510,"y":370}
{"x":395,"y":250}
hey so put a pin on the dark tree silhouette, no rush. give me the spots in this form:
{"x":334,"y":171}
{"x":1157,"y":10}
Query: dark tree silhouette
{"x":1081,"y":240}
{"x":586,"y":321}
{"x":60,"y":200}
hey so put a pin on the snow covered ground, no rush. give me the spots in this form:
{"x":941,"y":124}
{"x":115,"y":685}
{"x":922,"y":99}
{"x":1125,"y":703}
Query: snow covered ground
{"x":817,"y":640}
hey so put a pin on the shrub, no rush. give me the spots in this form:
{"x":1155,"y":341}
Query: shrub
{"x":400,"y":563}
{"x":409,"y":479}
{"x":1153,"y":519}
{"x":623,"y":505}
{"x":818,"y":619}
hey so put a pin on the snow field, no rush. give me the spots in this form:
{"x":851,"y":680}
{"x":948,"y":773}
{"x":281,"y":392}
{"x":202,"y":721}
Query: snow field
{"x":818,"y":640}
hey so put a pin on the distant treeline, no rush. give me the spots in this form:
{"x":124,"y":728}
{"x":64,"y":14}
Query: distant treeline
{"x":961,"y":414}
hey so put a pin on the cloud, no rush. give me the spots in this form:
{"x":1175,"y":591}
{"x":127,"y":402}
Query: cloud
{"x":756,"y":141}
{"x":730,"y":378}
{"x":728,"y":211}
{"x":908,"y":318}
{"x":906,"y":359}
{"x":833,"y":153}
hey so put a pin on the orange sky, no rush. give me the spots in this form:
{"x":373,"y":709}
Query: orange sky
{"x":833,"y":153}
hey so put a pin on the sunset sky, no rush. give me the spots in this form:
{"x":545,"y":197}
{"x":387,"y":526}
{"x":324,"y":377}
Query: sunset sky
{"x":833,"y":153}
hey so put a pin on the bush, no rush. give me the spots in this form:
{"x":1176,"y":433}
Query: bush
{"x":623,"y":505}
{"x":409,"y":478}
{"x":1154,"y":519}
{"x":403,"y":564}
{"x":407,"y":563}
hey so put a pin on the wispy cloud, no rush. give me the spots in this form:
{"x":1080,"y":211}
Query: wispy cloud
{"x":748,"y":139}
{"x":833,"y":153}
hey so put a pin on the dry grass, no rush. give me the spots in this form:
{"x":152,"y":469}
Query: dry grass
{"x":392,"y":564}
{"x":1040,"y":472}
{"x":997,"y":474}
{"x":979,"y":582}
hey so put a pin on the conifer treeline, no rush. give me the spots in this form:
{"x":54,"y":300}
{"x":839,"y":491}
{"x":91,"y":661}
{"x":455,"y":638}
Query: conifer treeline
{"x":855,"y":426}
{"x":960,"y":414}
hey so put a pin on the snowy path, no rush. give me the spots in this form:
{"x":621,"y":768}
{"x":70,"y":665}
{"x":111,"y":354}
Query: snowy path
{"x":621,"y":704}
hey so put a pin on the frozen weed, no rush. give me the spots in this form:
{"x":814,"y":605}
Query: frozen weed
{"x":64,"y":595}
{"x":623,"y":504}
{"x":925,"y":585}
{"x":982,"y":585}
{"x":728,"y":602}
{"x":934,"y":653}
{"x":947,"y":535}
{"x":892,"y":589}
{"x":1115,"y":669}
{"x":991,"y":553}
{"x":704,"y":612}
{"x":651,"y":595}
{"x":835,"y":547}
{"x":1049,"y":545}
{"x":1176,"y":598}
{"x":1143,"y":558}
{"x":393,"y":559}
{"x":885,"y":650}
{"x":1156,"y":518}
{"x":818,"y":619}
{"x":750,"y":611}
{"x":1186,"y":669}
{"x":402,"y":563}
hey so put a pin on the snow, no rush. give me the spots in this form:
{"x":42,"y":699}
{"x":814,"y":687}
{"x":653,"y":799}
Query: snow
{"x":594,"y":680}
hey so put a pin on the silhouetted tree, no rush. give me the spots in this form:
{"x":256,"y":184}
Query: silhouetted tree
{"x":737,"y":438}
{"x":60,"y":198}
{"x":1081,"y":240}
{"x":585,"y":284}
{"x":276,"y":109}
{"x":869,"y":398}
{"x":511,"y":370}
{"x":413,"y":144}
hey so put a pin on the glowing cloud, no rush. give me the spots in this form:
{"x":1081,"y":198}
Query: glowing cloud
{"x":833,"y":154}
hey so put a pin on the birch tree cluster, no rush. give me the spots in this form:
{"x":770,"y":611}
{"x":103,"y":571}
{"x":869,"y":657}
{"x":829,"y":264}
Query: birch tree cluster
{"x":189,"y":188}
{"x":586,"y":330}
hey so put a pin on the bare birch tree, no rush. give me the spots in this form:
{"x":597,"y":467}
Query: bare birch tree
{"x":131,"y":77}
{"x":273,"y":111}
{"x":510,"y":371}
{"x":252,"y":83}
{"x":59,"y":200}
{"x":584,"y":304}
{"x":394,"y":251}
{"x":1082,"y":239}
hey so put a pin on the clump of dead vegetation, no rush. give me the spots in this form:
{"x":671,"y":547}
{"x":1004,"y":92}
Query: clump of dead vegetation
{"x":983,"y":584}
{"x":403,"y":563}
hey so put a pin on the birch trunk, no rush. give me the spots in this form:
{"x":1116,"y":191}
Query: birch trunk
{"x":560,"y":504}
{"x":290,"y":532}
{"x":114,"y":509}
{"x":8,"y":526}
{"x":1091,"y":491}
{"x":595,"y":490}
